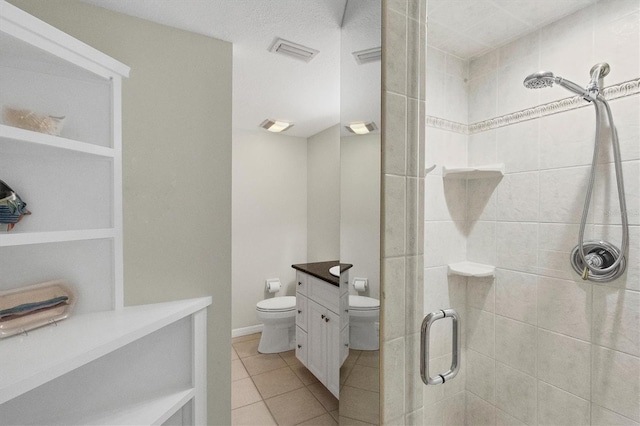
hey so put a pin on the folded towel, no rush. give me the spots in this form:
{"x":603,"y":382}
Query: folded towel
{"x":27,"y":308}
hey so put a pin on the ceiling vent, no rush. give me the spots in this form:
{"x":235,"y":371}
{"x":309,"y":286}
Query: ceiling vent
{"x":293,"y":50}
{"x":368,"y":55}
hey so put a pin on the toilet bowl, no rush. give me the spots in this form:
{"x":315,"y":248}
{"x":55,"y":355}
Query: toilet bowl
{"x":364,"y":323}
{"x":279,"y":318}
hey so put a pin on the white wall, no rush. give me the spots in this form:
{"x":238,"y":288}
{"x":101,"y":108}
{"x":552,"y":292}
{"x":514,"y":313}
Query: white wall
{"x":323,"y":203}
{"x":269,"y":217}
{"x":360,"y":209}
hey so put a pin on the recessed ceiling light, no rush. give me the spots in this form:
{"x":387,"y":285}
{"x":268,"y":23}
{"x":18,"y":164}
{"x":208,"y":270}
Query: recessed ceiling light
{"x":361,"y":128}
{"x":276,"y":126}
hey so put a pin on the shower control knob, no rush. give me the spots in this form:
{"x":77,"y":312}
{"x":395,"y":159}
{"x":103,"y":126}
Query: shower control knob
{"x":322,"y":316}
{"x":326,"y":319}
{"x":299,"y":283}
{"x":299,"y":346}
{"x":599,"y":258}
{"x":299,"y":311}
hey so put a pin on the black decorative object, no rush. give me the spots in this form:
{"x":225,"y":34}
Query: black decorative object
{"x":12,"y":208}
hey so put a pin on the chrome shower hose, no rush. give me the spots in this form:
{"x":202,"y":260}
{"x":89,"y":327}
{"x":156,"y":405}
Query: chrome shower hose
{"x":602,"y":261}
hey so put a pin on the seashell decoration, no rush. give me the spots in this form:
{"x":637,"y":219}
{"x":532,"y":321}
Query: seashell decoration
{"x":29,"y":120}
{"x":12,"y":208}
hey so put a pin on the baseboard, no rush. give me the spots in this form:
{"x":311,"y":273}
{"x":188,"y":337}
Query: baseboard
{"x":244,"y":331}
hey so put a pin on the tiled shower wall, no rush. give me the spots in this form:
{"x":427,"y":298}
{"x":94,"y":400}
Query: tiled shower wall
{"x":403,"y":112}
{"x":542,"y":346}
{"x":445,"y":230}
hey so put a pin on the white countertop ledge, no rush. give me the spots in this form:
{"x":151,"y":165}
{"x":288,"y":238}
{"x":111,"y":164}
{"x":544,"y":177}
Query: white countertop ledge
{"x":28,"y":361}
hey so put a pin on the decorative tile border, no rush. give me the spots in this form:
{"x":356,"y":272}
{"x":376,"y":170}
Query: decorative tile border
{"x":452,"y":126}
{"x":621,"y":90}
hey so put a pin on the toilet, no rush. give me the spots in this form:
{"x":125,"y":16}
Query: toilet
{"x":364,"y":323}
{"x":278,"y":315}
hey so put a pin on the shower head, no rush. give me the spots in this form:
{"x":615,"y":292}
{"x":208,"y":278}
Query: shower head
{"x":543,"y":79}
{"x":539,"y":80}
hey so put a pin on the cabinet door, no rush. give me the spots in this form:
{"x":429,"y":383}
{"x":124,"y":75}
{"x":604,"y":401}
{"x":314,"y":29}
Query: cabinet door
{"x":301,"y":312}
{"x":333,"y":343}
{"x":317,"y":340}
{"x":344,"y":310}
{"x":344,"y":282}
{"x":301,"y":345}
{"x":344,"y":345}
{"x":301,"y":282}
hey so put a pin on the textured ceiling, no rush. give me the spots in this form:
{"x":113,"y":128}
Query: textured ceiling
{"x":470,"y":28}
{"x":265,"y":85}
{"x":313,"y":95}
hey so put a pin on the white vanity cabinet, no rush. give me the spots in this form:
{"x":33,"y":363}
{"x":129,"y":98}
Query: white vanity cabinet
{"x":322,"y":323}
{"x":106,"y":363}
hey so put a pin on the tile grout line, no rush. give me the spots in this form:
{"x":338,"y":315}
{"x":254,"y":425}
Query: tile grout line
{"x":325,"y":411}
{"x":250,"y":376}
{"x":263,"y":400}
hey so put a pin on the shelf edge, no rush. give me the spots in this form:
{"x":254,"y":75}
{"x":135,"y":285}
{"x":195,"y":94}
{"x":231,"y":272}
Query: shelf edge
{"x":152,"y":411}
{"x":26,"y":238}
{"x":471,"y":269}
{"x":56,"y":142}
{"x":19,"y":24}
{"x":479,"y":172}
{"x":181,"y":309}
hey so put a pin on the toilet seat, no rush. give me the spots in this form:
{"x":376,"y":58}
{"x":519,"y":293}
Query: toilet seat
{"x":363,"y":303}
{"x":277,"y":304}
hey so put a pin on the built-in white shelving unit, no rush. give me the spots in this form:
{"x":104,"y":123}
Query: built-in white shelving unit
{"x":105,"y":364}
{"x":471,"y":269}
{"x":478,"y":172}
{"x":74,"y":355}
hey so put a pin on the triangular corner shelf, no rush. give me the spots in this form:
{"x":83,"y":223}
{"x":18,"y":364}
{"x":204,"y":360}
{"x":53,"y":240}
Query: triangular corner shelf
{"x":471,"y":269}
{"x":477,"y":172}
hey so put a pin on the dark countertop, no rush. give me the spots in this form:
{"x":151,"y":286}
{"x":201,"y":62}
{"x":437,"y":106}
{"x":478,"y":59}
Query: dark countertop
{"x":321,"y":270}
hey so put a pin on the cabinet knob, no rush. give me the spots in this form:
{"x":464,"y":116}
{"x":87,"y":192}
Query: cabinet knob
{"x":299,"y":283}
{"x":346,"y":344}
{"x":326,"y":319}
{"x":322,"y":316}
{"x":299,"y":311}
{"x":299,"y":346}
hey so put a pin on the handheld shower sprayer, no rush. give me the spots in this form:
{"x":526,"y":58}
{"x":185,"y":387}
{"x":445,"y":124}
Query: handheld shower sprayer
{"x":542,"y":79}
{"x":598,"y":261}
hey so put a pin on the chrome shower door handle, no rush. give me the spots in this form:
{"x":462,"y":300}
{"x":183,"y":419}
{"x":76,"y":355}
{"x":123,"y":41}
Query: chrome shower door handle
{"x":424,"y":347}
